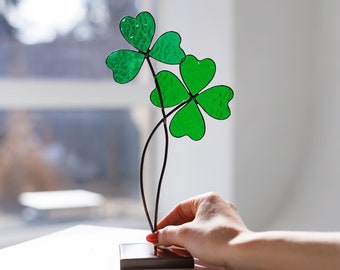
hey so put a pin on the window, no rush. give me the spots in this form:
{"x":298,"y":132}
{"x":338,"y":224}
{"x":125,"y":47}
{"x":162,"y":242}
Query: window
{"x":64,"y":124}
{"x":43,"y":39}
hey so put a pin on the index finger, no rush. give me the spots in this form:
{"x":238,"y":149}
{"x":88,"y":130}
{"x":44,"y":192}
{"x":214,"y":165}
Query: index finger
{"x":182,"y":213}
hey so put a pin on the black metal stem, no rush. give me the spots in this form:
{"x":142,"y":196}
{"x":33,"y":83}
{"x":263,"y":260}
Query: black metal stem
{"x":141,"y":173}
{"x":166,"y":145}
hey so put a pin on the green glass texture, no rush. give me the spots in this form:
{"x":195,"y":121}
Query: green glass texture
{"x":197,"y":74}
{"x":167,"y":49}
{"x":172,"y":90}
{"x":138,"y":31}
{"x":125,"y":65}
{"x":188,"y":121}
{"x":214,"y":101}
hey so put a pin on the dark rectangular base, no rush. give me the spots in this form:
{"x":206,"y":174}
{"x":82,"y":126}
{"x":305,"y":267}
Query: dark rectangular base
{"x":143,"y":256}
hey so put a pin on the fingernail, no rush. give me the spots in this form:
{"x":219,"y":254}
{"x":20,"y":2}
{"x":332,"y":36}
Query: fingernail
{"x":152,"y":238}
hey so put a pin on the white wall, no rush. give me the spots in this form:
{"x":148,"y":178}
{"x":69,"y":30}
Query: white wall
{"x":287,"y":123}
{"x":315,"y":200}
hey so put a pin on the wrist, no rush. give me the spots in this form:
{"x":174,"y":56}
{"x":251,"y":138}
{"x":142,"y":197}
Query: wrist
{"x":239,"y":251}
{"x":260,"y":250}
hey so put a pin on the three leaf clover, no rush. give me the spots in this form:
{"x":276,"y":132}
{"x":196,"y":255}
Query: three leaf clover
{"x":139,"y":32}
{"x":196,"y":76}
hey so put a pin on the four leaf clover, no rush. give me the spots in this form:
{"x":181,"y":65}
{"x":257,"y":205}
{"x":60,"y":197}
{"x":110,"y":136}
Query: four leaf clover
{"x":196,"y":75}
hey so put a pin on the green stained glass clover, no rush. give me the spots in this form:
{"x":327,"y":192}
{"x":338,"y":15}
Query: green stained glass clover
{"x":139,"y":32}
{"x":189,"y":94}
{"x":196,"y":75}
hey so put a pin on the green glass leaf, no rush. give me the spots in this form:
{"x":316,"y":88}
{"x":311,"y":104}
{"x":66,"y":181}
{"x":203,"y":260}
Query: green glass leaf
{"x":188,"y":121}
{"x":125,"y":65}
{"x":196,"y":73}
{"x":138,"y":31}
{"x":172,"y":90}
{"x":167,"y":48}
{"x":214,"y":101}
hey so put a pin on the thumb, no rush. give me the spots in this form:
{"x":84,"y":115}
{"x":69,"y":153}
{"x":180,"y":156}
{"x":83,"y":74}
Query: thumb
{"x":165,"y":237}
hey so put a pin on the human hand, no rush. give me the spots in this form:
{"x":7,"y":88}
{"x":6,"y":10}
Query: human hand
{"x":214,"y":233}
{"x":204,"y":225}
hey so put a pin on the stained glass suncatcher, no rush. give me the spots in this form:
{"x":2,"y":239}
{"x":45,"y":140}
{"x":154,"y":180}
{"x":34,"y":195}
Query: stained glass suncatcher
{"x":187,"y":99}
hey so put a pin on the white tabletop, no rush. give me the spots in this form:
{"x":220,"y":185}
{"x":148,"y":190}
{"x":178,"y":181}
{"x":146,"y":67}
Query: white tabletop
{"x":81,"y":247}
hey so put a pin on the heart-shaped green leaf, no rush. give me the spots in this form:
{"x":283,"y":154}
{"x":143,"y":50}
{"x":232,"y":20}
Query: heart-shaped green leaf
{"x":188,"y":121}
{"x":196,"y":73}
{"x":172,"y":90}
{"x":214,"y":101}
{"x":125,"y":64}
{"x":138,"y":31}
{"x":167,"y":49}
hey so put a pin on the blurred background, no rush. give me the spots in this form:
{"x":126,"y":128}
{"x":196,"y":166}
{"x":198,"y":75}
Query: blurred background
{"x":65,"y":125}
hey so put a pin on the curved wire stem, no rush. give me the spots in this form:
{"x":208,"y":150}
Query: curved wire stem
{"x":153,"y":226}
{"x":143,"y":161}
{"x":166,"y":150}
